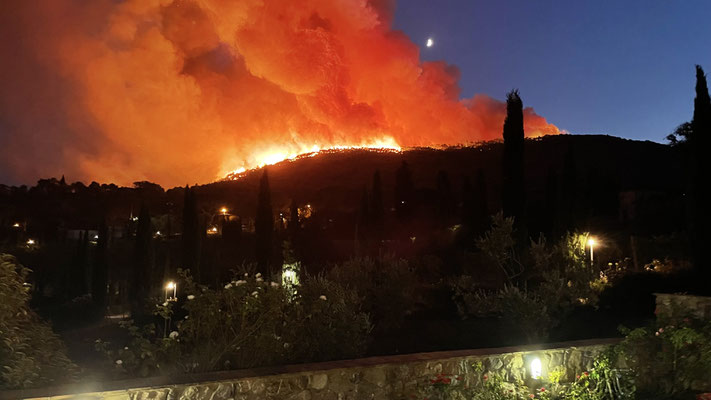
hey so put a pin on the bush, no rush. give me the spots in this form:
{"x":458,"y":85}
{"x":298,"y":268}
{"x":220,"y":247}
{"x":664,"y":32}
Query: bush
{"x":670,"y":358}
{"x":537,"y":296}
{"x":386,"y":287}
{"x":247,"y":323}
{"x":31,"y":354}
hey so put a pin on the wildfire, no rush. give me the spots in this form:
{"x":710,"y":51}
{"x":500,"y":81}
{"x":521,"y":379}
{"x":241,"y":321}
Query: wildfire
{"x":275,"y":156}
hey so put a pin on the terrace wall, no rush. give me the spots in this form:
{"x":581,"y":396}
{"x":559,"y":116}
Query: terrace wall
{"x":390,"y":377}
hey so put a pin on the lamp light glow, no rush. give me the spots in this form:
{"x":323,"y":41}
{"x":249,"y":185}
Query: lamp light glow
{"x":536,"y":368}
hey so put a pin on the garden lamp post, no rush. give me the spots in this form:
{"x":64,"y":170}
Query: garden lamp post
{"x":591,"y":243}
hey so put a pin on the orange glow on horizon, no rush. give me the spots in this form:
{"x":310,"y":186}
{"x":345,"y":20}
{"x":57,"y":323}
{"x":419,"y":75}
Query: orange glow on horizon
{"x":185,"y":91}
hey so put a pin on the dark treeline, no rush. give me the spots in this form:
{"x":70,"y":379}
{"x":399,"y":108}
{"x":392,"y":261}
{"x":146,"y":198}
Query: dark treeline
{"x":118,"y":243}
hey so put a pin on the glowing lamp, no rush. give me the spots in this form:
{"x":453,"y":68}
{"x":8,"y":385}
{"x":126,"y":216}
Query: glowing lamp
{"x":16,"y":225}
{"x":591,"y":243}
{"x":536,"y":368}
{"x":168,"y":287}
{"x":30,"y":242}
{"x":224,"y":210}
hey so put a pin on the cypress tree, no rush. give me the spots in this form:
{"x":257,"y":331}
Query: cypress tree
{"x":264,"y":225}
{"x":513,"y":197}
{"x":100,"y":271}
{"x":141,"y":262}
{"x":404,"y":192}
{"x":699,"y":145}
{"x":191,"y":234}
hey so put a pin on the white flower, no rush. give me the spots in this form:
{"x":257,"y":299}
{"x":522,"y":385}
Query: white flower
{"x":286,"y":345}
{"x":260,"y":280}
{"x":191,"y":297}
{"x":125,"y":348}
{"x":227,"y":286}
{"x":246,"y":274}
{"x":240,"y":282}
{"x":255,"y":293}
{"x":173,"y":335}
{"x":322,"y":297}
{"x":259,"y":275}
{"x":187,"y":316}
{"x":165,"y":304}
{"x":274,"y":284}
{"x":119,"y":362}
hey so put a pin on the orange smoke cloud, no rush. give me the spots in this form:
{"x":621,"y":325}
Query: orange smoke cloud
{"x":184,"y":91}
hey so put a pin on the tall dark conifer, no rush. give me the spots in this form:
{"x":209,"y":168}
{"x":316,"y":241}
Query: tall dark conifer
{"x":100,"y":270}
{"x":264,"y":225}
{"x":699,"y":145}
{"x":191,"y":234}
{"x":513,"y":196}
{"x":141,"y":262}
{"x":404,"y":192}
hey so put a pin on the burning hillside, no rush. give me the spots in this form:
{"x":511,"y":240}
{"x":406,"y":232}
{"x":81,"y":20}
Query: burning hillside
{"x":177,"y":91}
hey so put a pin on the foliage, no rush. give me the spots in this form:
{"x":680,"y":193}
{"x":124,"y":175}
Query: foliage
{"x":558,"y":278}
{"x":499,"y":246}
{"x":31,"y":353}
{"x":670,"y":357}
{"x":681,"y":134}
{"x":386,"y":287}
{"x":247,"y":323}
{"x":602,"y":382}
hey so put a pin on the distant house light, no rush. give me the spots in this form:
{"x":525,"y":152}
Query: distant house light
{"x":16,"y":225}
{"x":30,"y":242}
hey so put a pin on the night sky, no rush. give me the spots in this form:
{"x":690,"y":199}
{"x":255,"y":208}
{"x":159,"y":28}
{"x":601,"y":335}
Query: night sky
{"x":624,"y":68}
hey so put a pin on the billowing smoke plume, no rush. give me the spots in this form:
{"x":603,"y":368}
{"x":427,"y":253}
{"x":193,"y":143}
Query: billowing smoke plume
{"x":184,"y":91}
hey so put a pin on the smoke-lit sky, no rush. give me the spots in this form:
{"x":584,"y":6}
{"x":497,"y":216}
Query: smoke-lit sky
{"x":623,"y":67}
{"x":185,"y":91}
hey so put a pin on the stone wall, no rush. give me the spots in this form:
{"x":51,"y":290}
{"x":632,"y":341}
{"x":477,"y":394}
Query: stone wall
{"x":683,"y":305}
{"x":390,"y":377}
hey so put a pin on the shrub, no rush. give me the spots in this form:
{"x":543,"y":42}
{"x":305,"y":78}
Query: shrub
{"x":386,"y":287}
{"x":670,"y":358}
{"x":247,"y":323}
{"x":31,"y":353}
{"x":557,"y":279}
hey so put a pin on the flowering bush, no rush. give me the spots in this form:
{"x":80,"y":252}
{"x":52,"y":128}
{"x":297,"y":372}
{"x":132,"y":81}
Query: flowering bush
{"x":248,"y":322}
{"x":30,"y":353}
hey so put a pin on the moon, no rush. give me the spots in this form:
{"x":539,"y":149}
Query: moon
{"x":430,"y":42}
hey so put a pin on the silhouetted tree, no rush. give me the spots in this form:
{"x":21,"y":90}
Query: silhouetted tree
{"x":141,"y":262}
{"x":404,"y":192}
{"x":191,"y":234}
{"x":445,"y":199}
{"x":264,"y":225}
{"x":100,"y":271}
{"x":680,"y":135}
{"x":699,"y":171}
{"x":514,"y":195}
